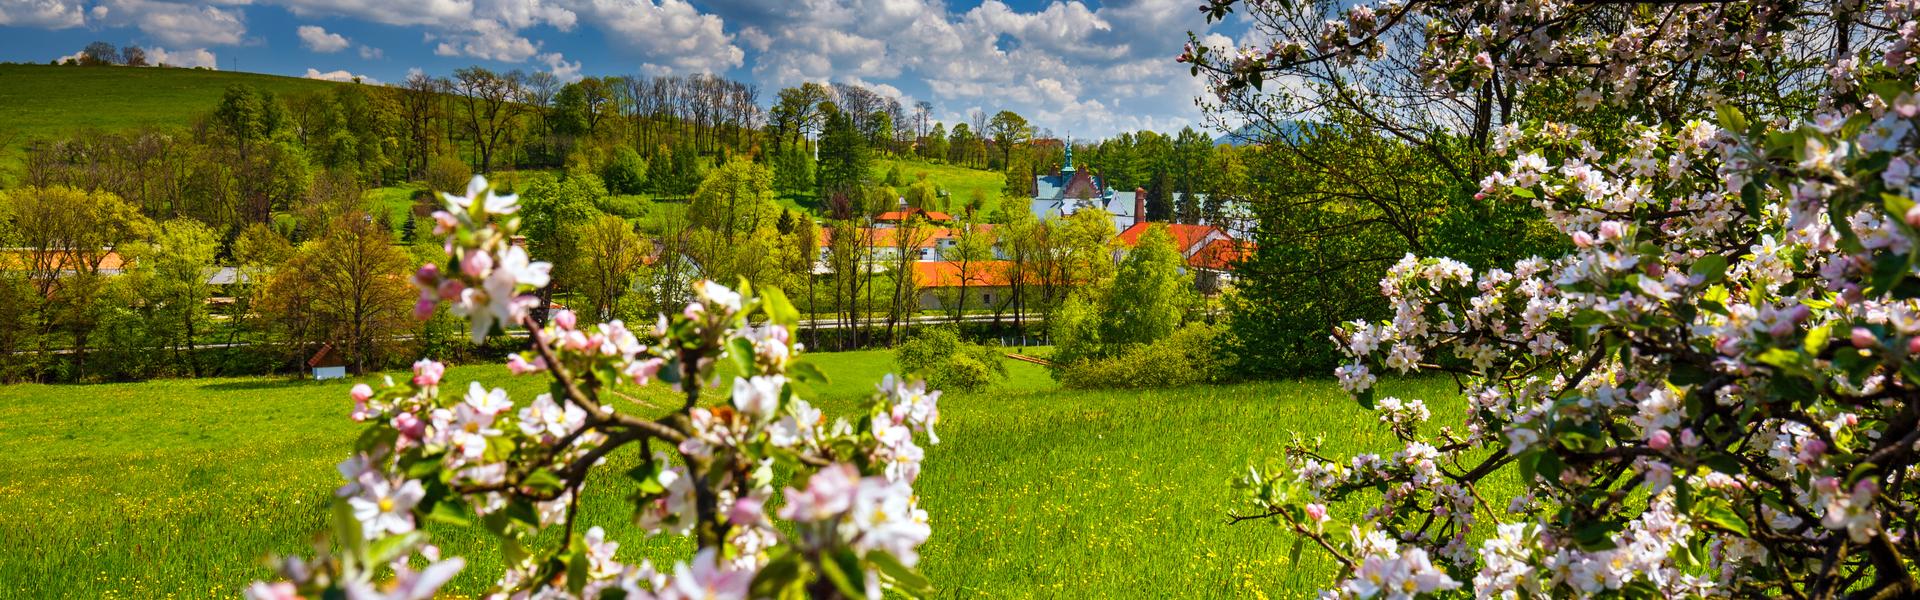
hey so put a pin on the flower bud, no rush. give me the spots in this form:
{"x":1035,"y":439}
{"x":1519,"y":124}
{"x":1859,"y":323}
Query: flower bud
{"x":1583,"y":239}
{"x":1913,"y":346}
{"x":427,"y":372}
{"x":1660,"y":440}
{"x":423,"y":309}
{"x":1317,"y":512}
{"x":476,"y":264}
{"x":1913,"y":216}
{"x":1689,"y":439}
{"x":362,"y":392}
{"x":1863,"y":338}
{"x":565,"y":319}
{"x":746,"y":511}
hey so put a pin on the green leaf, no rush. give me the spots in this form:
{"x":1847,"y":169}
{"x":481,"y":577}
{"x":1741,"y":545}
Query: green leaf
{"x":843,"y":569}
{"x":1722,"y":515}
{"x":1711,"y":268}
{"x":384,"y":550}
{"x":449,"y":512}
{"x":806,"y":372}
{"x":1293,"y":554}
{"x":782,"y":572}
{"x":543,"y":480}
{"x":1731,"y":118}
{"x":1522,"y":192}
{"x":1365,"y":398}
{"x":779,"y":309}
{"x":741,"y":351}
{"x":905,"y":579}
{"x":1722,"y":463}
{"x":1817,"y":338}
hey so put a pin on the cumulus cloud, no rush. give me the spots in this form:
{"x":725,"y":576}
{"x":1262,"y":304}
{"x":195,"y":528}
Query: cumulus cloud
{"x":340,"y":75}
{"x":566,"y":72}
{"x":317,"y":39}
{"x":174,"y":23}
{"x":668,"y":34}
{"x":371,"y":53}
{"x":197,"y":57}
{"x":489,"y":40}
{"x":44,"y":14}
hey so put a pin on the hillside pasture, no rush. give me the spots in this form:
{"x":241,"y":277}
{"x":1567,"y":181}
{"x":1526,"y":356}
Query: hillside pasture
{"x":181,"y":487}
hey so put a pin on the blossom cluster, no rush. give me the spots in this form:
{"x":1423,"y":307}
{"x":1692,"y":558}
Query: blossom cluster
{"x":1714,"y":392}
{"x":434,"y":452}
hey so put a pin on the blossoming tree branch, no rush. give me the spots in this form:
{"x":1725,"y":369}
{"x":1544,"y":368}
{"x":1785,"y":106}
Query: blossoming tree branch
{"x":1715,"y":391}
{"x":848,"y":525}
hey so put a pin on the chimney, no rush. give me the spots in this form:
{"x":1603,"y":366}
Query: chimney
{"x":1139,"y":205}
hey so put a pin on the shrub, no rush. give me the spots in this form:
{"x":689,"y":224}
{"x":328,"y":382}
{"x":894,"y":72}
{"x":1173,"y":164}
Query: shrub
{"x":949,"y":363}
{"x":1190,"y":356}
{"x":626,"y":173}
{"x":448,"y":172}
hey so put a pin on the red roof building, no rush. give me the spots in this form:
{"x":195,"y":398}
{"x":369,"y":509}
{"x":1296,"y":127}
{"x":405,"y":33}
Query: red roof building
{"x":1205,"y":247}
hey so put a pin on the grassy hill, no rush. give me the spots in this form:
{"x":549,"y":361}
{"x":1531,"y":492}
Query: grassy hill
{"x":47,"y":100}
{"x":961,"y":182}
{"x":38,"y":101}
{"x":178,"y":487}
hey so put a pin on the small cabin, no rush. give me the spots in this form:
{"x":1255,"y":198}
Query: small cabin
{"x":327,"y":364}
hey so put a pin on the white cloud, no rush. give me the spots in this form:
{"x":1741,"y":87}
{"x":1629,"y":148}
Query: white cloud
{"x":174,"y":23}
{"x":341,"y":76}
{"x":667,"y":34}
{"x":317,"y":39}
{"x":566,"y":72}
{"x":371,"y":53}
{"x":488,"y":40}
{"x":44,"y":14}
{"x":197,"y":57}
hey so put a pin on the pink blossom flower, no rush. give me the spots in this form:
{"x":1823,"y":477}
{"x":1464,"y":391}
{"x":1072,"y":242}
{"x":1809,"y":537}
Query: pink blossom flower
{"x":565,"y":319}
{"x":427,"y":372}
{"x":1660,"y":440}
{"x":383,"y":508}
{"x":643,"y":371}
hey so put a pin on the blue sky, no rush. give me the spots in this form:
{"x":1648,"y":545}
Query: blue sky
{"x":1083,"y":68}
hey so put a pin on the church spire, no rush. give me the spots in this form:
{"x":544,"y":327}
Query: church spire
{"x":1069,"y":166}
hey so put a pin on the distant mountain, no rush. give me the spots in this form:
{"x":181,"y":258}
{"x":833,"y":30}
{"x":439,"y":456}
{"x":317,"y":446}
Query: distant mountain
{"x":1252,"y":133}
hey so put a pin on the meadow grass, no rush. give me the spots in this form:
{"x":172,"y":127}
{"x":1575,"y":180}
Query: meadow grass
{"x":959,"y":181}
{"x":179,"y":488}
{"x":115,"y":98}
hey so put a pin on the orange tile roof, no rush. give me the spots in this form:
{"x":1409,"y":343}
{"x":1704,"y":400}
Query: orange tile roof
{"x":1218,"y":255}
{"x":946,"y":274}
{"x":17,"y":259}
{"x":895,"y":216}
{"x":888,"y":237}
{"x":1184,"y":236}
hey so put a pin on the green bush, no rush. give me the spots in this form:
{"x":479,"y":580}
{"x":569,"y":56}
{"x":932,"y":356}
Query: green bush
{"x":948,"y":363}
{"x":448,"y":173}
{"x":1192,"y":355}
{"x":626,"y":173}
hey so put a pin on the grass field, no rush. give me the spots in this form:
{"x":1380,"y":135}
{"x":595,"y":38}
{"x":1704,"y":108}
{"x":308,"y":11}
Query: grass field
{"x":180,"y":487}
{"x":961,"y":182}
{"x":114,"y":98}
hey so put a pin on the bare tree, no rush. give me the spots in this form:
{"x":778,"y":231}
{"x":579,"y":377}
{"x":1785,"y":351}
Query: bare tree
{"x":492,"y":107}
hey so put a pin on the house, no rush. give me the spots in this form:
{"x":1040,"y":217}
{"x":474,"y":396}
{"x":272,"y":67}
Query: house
{"x":327,"y":364}
{"x":894,"y":218}
{"x":1210,"y":251}
{"x":928,"y":243}
{"x":941,"y":284}
{"x":1074,"y":190}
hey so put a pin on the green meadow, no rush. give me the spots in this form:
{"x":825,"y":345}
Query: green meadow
{"x":181,"y":487}
{"x":115,"y":99}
